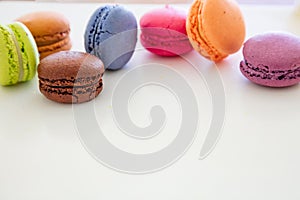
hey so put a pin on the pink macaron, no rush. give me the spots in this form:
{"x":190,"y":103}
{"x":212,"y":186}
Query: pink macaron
{"x":163,"y":31}
{"x":272,"y":59}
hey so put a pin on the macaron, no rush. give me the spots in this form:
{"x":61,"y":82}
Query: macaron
{"x":272,"y":59}
{"x":163,"y":31}
{"x":215,"y":28}
{"x":70,"y":77}
{"x":18,"y":54}
{"x":50,"y":29}
{"x":111,"y":35}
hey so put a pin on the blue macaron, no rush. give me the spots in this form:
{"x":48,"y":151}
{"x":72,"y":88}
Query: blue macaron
{"x":111,"y":35}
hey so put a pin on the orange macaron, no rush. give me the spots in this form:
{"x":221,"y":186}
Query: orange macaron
{"x":216,"y":28}
{"x":50,"y":30}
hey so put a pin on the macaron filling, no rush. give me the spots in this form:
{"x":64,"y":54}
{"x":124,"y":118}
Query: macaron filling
{"x":20,"y":59}
{"x":156,"y":40}
{"x":264,"y":72}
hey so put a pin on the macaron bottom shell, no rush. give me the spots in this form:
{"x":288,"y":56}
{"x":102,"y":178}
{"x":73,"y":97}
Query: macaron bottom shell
{"x":70,"y":94}
{"x":277,"y":78}
{"x":165,"y":42}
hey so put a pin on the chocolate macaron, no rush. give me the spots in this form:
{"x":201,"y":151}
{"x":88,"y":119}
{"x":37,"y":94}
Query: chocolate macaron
{"x":70,"y":77}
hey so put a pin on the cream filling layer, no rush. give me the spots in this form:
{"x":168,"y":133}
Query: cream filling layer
{"x":20,"y":59}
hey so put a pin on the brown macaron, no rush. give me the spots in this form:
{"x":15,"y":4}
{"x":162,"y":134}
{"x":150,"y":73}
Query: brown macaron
{"x":50,"y":30}
{"x":70,"y":77}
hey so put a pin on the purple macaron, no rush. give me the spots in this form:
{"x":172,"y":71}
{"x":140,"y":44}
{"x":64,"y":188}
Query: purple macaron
{"x":272,"y":59}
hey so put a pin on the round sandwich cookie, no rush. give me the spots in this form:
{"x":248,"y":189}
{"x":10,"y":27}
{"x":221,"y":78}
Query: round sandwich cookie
{"x":215,"y":28}
{"x":18,"y":54}
{"x":70,"y":77}
{"x":50,"y":30}
{"x":111,"y":35}
{"x":163,"y":31}
{"x":272,"y":59}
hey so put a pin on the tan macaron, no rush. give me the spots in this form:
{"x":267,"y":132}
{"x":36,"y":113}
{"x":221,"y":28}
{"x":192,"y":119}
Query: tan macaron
{"x":50,"y":30}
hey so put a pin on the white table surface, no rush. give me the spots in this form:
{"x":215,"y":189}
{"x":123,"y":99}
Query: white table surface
{"x":257,"y":156}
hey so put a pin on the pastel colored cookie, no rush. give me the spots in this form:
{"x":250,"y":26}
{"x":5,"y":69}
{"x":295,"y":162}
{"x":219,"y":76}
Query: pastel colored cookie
{"x":70,"y":77}
{"x":272,"y":59}
{"x":111,"y":35}
{"x":50,"y":30}
{"x":18,"y":54}
{"x":215,"y":28}
{"x":164,"y":33}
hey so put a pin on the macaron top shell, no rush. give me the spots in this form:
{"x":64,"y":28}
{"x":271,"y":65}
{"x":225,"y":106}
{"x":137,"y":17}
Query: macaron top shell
{"x":70,"y":65}
{"x":167,"y":17}
{"x":47,"y":27}
{"x":277,"y":51}
{"x":223,"y":24}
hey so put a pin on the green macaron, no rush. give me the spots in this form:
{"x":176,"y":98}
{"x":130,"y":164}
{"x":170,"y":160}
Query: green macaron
{"x":18,"y":54}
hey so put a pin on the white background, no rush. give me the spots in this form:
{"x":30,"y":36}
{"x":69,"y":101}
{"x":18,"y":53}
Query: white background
{"x":257,"y":156}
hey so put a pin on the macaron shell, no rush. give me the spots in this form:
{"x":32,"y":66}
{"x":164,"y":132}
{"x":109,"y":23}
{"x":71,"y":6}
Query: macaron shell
{"x":67,"y":64}
{"x":270,"y":79}
{"x":28,"y":49}
{"x":57,"y":26}
{"x":71,"y":95}
{"x":223,"y":24}
{"x":120,"y":27}
{"x":165,"y":45}
{"x":278,"y":50}
{"x":166,"y":18}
